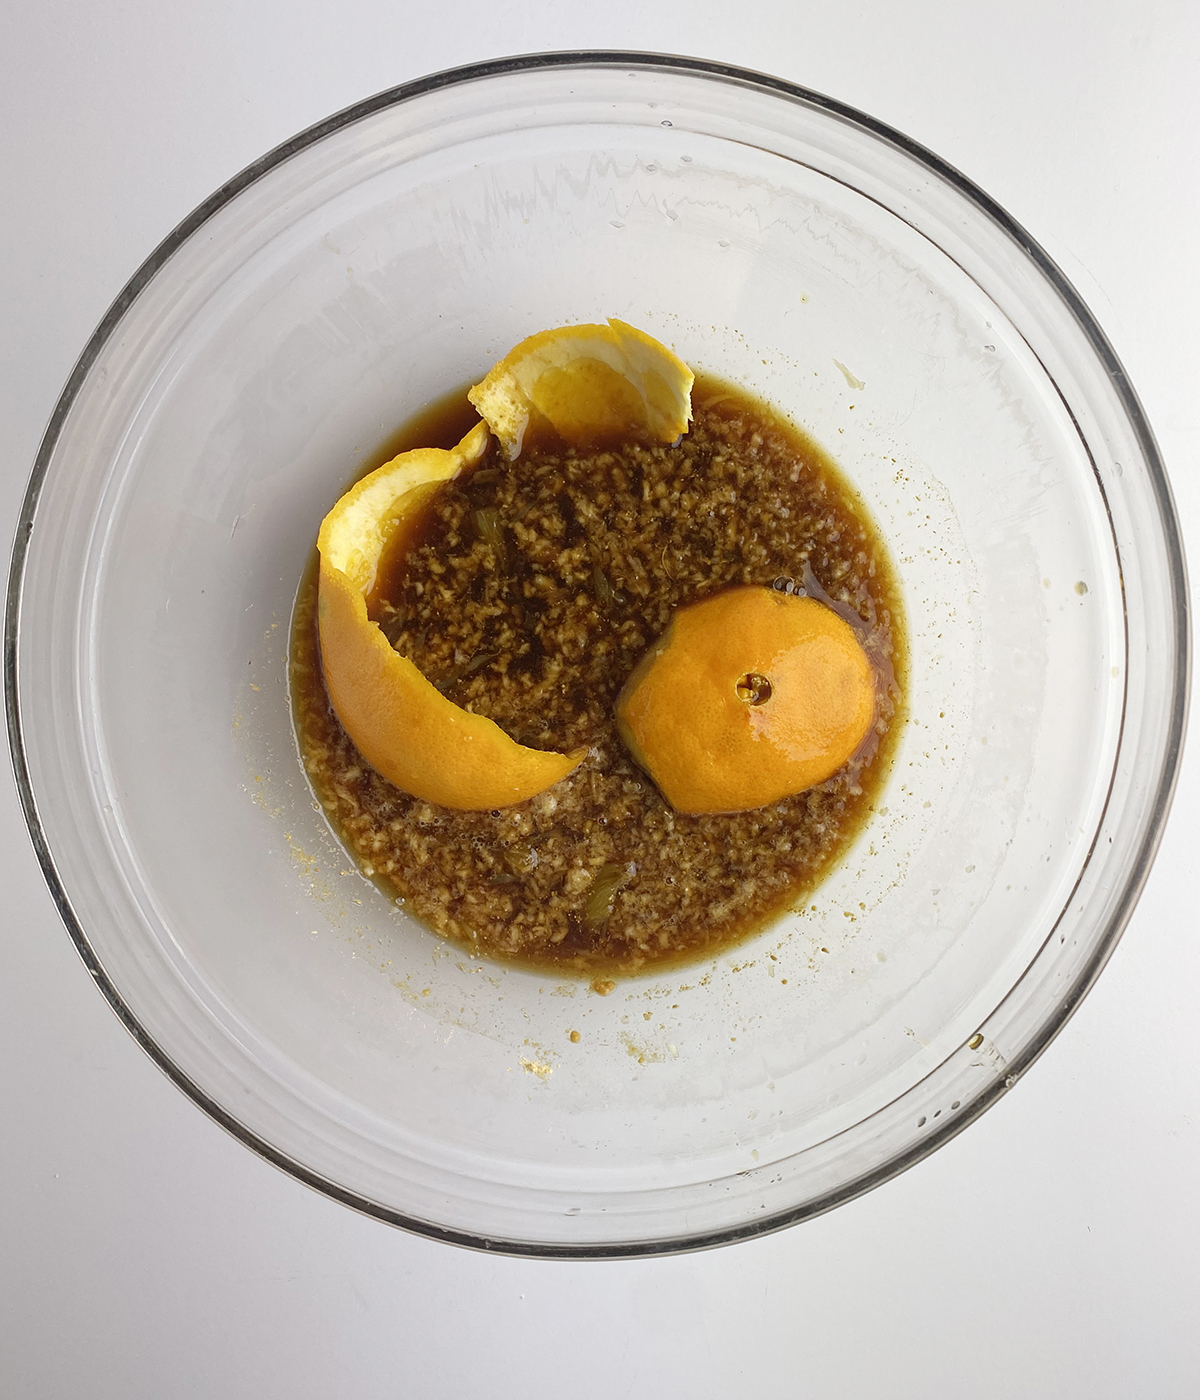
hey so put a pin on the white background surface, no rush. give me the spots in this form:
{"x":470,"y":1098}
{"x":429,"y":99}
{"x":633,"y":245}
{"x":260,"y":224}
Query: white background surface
{"x":1051,"y":1250}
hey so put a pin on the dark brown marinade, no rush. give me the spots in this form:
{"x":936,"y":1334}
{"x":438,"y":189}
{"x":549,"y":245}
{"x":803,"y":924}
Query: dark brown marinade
{"x":528,"y":594}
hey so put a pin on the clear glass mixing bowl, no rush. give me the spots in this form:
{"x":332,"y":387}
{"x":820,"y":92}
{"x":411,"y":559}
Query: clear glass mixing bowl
{"x":773,"y":237}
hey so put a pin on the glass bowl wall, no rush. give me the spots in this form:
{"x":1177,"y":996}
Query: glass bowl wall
{"x":774,"y":238}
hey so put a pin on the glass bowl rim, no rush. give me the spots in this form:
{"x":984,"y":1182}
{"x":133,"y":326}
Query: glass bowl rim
{"x":733,"y":76}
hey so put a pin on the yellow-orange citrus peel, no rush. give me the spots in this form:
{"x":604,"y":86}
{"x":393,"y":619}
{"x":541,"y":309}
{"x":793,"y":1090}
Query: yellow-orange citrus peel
{"x":747,"y":697}
{"x":399,"y":721}
{"x":590,"y":384}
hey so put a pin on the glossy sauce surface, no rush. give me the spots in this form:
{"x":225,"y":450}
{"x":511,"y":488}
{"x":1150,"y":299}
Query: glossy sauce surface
{"x":528,"y":593}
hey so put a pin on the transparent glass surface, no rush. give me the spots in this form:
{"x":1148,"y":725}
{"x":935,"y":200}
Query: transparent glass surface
{"x":773,"y":238}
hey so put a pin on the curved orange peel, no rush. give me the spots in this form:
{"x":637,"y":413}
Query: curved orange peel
{"x":805,"y":705}
{"x":590,"y":384}
{"x":399,"y":721}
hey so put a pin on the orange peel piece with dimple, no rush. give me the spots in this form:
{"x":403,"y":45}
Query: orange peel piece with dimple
{"x":399,"y":721}
{"x":748,"y":697}
{"x":590,"y":384}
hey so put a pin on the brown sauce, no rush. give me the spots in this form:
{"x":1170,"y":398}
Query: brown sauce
{"x":527,"y":594}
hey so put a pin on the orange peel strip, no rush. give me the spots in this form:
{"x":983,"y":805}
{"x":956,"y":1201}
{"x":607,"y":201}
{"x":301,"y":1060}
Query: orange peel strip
{"x":398,"y":720}
{"x":804,"y":705}
{"x":590,"y":384}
